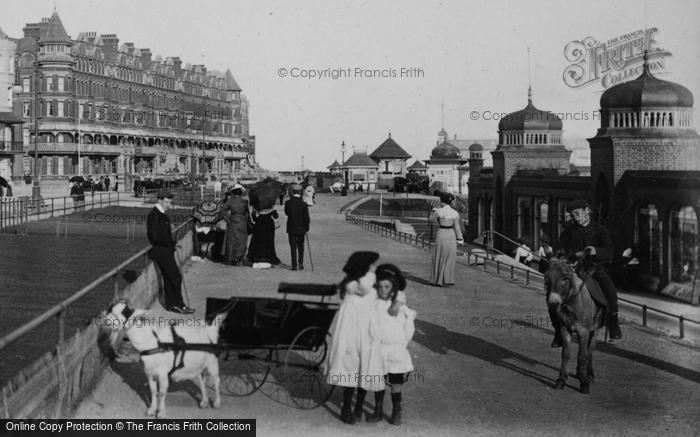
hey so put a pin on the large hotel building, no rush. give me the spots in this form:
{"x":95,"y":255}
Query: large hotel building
{"x":99,"y":107}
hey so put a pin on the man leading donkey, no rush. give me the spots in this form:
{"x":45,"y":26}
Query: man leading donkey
{"x":582,"y":237}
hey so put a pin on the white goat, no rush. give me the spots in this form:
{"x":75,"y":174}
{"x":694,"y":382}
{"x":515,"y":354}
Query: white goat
{"x":161,"y":362}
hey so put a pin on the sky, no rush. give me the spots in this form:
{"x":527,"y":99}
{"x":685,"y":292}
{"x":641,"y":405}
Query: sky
{"x":466,"y":55}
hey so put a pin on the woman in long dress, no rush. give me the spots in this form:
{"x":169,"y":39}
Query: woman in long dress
{"x":262,"y":242}
{"x":448,"y":235}
{"x":237,"y":218}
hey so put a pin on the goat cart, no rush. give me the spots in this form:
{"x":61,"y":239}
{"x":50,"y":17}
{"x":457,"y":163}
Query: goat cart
{"x":288,"y":338}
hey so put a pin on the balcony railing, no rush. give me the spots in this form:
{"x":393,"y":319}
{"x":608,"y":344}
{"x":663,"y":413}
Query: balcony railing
{"x":73,"y":148}
{"x":11,"y":146}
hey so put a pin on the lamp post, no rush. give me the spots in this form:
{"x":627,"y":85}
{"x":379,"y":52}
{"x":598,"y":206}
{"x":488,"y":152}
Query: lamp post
{"x":345,"y":170}
{"x":36,"y":189}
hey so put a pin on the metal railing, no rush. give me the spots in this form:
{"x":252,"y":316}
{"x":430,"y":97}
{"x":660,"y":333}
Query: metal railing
{"x":59,"y":310}
{"x":16,"y":212}
{"x":530,"y":276}
{"x":489,"y":241}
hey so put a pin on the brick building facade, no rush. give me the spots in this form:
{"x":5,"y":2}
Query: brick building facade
{"x":107,"y":108}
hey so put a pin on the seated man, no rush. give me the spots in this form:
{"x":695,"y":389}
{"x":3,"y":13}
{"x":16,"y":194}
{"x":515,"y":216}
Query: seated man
{"x":582,"y":236}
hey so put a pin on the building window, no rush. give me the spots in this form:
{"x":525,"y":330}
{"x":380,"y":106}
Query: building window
{"x":542,"y":228}
{"x":648,"y":234}
{"x":59,"y":106}
{"x":61,"y":84}
{"x":524,"y":218}
{"x":26,"y":112}
{"x":26,"y":85}
{"x":684,"y":245}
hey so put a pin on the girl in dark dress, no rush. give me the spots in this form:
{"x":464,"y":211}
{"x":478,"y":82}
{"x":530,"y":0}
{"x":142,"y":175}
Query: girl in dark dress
{"x":262,"y":242}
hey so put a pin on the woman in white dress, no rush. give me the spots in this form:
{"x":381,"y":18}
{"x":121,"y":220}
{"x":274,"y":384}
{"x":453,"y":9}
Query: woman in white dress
{"x":448,"y":235}
{"x":349,"y":363}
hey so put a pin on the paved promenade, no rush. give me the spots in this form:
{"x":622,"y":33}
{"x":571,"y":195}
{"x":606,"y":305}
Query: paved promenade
{"x":481,"y":352}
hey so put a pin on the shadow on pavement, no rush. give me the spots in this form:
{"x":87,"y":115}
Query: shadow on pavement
{"x":439,"y":340}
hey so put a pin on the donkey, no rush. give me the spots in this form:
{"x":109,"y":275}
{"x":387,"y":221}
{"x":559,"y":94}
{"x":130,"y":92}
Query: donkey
{"x":577,"y":312}
{"x":177,"y":352}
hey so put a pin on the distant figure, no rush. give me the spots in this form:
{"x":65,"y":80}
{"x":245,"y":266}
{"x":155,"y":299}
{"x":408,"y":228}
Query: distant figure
{"x":523,"y":254}
{"x":449,"y":234}
{"x":137,"y":186}
{"x":309,"y":194}
{"x":78,"y":195}
{"x":285,"y":188}
{"x":237,"y":219}
{"x":101,"y":184}
{"x":116,"y":182}
{"x":297,"y":212}
{"x":162,"y":253}
{"x":107,"y":181}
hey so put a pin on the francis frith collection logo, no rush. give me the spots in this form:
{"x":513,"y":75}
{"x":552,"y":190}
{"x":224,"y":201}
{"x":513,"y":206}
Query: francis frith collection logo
{"x":614,"y":61}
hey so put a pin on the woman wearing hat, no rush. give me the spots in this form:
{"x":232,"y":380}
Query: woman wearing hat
{"x":448,"y":235}
{"x":237,"y":218}
{"x":349,"y":363}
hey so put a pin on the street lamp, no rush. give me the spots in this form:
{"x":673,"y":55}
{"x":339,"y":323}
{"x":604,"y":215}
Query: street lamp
{"x":345,"y":186}
{"x":36,"y":189}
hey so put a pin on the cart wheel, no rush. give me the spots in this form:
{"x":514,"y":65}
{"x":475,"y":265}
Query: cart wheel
{"x":244,"y":371}
{"x":302,"y":376}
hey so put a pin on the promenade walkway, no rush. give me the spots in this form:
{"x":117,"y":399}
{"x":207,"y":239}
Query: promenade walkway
{"x":481,"y":351}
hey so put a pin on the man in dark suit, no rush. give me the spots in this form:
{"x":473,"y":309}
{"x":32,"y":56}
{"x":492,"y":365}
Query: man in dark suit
{"x":585,"y":238}
{"x":163,"y":253}
{"x":297,"y":212}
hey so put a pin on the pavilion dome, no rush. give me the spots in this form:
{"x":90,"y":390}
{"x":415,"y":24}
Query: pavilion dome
{"x":646,"y":91}
{"x":445,"y":150}
{"x":530,"y":118}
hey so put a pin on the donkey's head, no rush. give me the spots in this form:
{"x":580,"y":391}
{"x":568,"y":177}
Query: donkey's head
{"x":558,"y":281}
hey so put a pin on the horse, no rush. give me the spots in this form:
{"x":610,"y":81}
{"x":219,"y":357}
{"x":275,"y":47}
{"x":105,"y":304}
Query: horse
{"x":576,"y":311}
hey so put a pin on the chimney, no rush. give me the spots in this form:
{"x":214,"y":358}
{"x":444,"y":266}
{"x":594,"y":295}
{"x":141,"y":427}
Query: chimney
{"x":177,"y":65}
{"x":146,"y":58}
{"x":34,"y":30}
{"x":129,"y":46}
{"x":110,"y":45}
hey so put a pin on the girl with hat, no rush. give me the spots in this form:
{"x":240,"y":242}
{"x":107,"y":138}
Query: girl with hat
{"x":349,"y":363}
{"x":391,"y":328}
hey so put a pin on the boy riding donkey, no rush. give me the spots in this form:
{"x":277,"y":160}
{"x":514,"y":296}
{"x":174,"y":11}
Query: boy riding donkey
{"x":584,"y":238}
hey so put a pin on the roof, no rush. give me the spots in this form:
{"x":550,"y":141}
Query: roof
{"x":359,"y":160}
{"x":530,"y":118}
{"x":55,"y":32}
{"x":417,"y":166}
{"x":476,"y":147}
{"x":231,"y":83}
{"x":646,"y":91}
{"x":334,"y":165}
{"x":389,"y":149}
{"x":445,"y":150}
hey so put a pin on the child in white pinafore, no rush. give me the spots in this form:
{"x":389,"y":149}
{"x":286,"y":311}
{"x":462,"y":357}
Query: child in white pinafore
{"x":350,"y":362}
{"x":391,"y":328}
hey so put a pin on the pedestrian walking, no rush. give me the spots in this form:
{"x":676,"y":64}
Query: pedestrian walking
{"x":237,"y":219}
{"x":309,"y":194}
{"x":107,"y":182}
{"x":297,"y":212}
{"x":78,"y":195}
{"x":523,"y":253}
{"x":448,"y":236}
{"x":162,"y":253}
